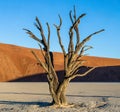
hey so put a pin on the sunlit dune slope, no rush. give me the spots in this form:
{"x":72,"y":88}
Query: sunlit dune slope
{"x":17,"y":62}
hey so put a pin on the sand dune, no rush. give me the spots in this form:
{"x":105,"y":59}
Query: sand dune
{"x":18,"y":62}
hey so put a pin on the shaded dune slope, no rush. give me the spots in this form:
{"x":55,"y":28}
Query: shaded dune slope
{"x":18,"y":64}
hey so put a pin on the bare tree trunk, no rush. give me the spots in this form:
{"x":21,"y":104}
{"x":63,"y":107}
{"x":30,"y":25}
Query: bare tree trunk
{"x":72,"y":57}
{"x":63,"y":95}
{"x":61,"y":92}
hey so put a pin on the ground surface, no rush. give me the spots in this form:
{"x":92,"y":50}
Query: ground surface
{"x":34,"y":97}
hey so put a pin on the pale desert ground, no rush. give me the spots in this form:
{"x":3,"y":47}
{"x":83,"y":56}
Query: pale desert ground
{"x":34,"y":97}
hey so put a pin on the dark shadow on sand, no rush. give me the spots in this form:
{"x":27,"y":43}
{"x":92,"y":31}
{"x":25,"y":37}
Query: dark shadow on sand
{"x":100,"y":74}
{"x":40,"y":104}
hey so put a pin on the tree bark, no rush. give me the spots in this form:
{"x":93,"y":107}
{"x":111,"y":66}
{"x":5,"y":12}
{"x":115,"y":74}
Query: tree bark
{"x":60,"y":94}
{"x":63,"y":99}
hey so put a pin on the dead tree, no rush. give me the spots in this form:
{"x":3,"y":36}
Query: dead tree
{"x":72,"y":57}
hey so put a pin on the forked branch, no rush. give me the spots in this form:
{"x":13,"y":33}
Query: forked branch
{"x":32,"y":35}
{"x":59,"y":36}
{"x":81,"y":75}
{"x":80,"y":45}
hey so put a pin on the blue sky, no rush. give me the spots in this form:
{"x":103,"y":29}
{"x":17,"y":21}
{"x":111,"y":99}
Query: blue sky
{"x":18,"y":14}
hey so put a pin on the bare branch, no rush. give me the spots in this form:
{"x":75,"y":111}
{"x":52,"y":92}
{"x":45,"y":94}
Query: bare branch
{"x":41,"y":50}
{"x":81,"y":75}
{"x":85,"y":40}
{"x":77,"y":21}
{"x":74,"y":13}
{"x":60,"y":20}
{"x":77,"y":36}
{"x":38,"y":24}
{"x":83,"y":49}
{"x":48,"y":36}
{"x":40,"y":62}
{"x":43,"y":54}
{"x":84,"y":74}
{"x":70,"y":14}
{"x":75,"y":27}
{"x":32,"y":35}
{"x":71,"y":44}
{"x":59,"y":37}
{"x":60,"y":24}
{"x":75,"y":65}
{"x":39,"y":27}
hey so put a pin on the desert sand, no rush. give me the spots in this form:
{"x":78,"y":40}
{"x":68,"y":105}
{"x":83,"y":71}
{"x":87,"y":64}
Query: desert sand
{"x":34,"y":97}
{"x":18,"y":62}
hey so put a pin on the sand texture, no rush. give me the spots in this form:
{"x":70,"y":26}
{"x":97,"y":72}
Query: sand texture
{"x":34,"y":97}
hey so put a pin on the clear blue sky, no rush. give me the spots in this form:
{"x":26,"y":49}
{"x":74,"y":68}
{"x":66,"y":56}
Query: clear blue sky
{"x":18,"y":14}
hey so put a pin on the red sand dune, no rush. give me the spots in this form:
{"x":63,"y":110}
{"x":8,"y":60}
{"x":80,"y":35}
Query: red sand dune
{"x":17,"y":62}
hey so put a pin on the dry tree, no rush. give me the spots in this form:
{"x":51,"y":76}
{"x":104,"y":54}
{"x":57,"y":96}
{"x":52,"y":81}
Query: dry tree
{"x":72,"y":57}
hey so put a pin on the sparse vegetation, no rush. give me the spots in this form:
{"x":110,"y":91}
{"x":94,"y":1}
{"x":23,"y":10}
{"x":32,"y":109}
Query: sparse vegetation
{"x":72,"y":57}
